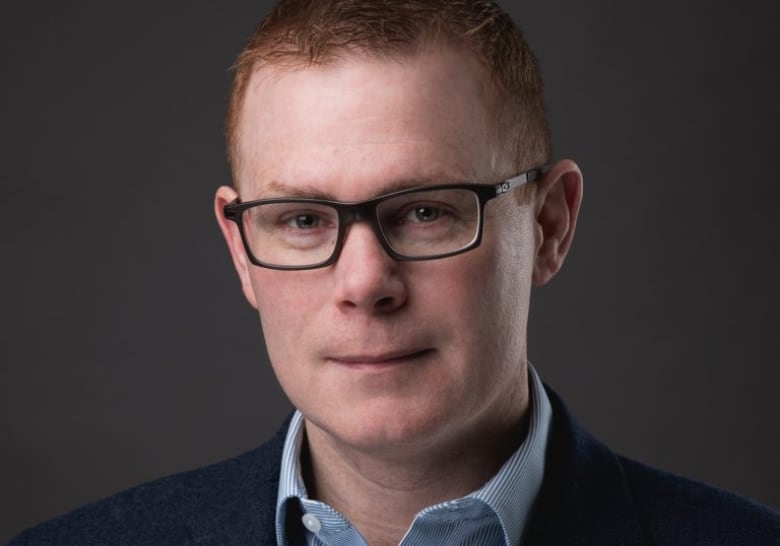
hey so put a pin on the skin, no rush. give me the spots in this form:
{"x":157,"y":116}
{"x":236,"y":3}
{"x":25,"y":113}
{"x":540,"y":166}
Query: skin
{"x":411,"y":376}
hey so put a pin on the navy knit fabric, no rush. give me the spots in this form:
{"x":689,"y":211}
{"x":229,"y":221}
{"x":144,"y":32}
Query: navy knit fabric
{"x":230,"y":503}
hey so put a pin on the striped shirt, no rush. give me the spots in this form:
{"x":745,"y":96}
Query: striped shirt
{"x":494,"y":514}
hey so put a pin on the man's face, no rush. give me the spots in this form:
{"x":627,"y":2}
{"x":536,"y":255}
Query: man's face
{"x":376,"y":353}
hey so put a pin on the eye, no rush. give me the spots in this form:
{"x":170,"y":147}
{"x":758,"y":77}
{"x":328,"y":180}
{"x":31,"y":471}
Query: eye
{"x":421,"y":214}
{"x":304,"y":221}
{"x":296,"y":219}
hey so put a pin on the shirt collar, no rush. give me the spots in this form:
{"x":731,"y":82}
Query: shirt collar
{"x":510,"y":493}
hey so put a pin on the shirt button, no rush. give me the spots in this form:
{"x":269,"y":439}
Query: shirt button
{"x":311,"y":522}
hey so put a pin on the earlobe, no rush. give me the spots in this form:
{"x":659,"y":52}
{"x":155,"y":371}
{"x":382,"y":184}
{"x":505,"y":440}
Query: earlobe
{"x":225,"y":195}
{"x":557,"y":204}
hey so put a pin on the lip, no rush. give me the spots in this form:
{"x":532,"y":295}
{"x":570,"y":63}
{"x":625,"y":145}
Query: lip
{"x":392,"y":358}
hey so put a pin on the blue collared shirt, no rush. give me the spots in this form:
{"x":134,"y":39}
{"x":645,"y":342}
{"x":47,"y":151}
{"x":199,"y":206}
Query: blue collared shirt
{"x":494,"y":514}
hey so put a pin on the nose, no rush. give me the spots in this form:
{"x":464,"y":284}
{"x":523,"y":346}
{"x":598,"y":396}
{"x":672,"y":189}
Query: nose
{"x":367,"y":278}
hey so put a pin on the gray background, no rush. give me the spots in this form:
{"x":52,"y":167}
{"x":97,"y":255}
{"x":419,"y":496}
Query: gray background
{"x":128,"y":352}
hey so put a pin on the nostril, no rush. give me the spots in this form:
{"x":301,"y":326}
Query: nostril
{"x":384,"y":303}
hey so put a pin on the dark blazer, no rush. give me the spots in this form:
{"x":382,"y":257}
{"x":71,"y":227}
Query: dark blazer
{"x":590,"y":496}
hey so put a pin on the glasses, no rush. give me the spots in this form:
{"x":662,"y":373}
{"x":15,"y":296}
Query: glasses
{"x":425,"y":223}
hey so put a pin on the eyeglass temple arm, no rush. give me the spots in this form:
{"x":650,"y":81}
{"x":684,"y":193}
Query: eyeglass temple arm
{"x":519,"y":180}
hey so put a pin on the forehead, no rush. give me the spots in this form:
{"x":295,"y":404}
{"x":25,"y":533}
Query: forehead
{"x":363,"y":122}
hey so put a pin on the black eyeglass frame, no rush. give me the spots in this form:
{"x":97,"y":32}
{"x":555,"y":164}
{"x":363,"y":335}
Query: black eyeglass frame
{"x":367,"y":211}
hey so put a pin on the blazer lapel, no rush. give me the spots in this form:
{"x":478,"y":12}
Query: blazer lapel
{"x":585,"y":499}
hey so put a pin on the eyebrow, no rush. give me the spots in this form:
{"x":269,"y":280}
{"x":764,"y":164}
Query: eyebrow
{"x":275,"y":188}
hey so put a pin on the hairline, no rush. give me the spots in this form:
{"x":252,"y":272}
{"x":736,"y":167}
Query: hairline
{"x":291,"y":60}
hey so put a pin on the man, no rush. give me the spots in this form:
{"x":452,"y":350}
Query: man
{"x":395,"y":199}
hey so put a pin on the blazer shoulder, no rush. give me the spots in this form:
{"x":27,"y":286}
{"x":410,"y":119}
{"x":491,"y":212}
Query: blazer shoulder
{"x":676,"y":510}
{"x":229,"y":502}
{"x":591,"y":495}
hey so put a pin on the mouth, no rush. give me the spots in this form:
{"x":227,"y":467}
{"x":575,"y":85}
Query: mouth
{"x":379,"y":360}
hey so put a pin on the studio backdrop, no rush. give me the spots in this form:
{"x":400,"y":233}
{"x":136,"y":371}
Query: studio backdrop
{"x":128,"y":351}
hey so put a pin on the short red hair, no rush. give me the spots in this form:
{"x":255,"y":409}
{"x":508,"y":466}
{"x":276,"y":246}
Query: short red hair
{"x":300,"y":33}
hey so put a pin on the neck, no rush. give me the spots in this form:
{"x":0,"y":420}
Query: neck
{"x":381,"y":491}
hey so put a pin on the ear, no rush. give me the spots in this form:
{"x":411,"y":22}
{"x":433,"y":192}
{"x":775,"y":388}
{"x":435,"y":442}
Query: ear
{"x":225,"y":195}
{"x":556,"y":205}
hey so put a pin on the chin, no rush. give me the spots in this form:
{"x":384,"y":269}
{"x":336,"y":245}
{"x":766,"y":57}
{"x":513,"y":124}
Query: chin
{"x":386,"y":426}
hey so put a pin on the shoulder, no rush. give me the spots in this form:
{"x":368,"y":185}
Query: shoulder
{"x":230,"y":502}
{"x":591,"y":495}
{"x":676,"y":510}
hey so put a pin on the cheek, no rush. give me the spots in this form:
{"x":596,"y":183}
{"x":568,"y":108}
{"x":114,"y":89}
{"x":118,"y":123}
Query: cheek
{"x":287,"y":304}
{"x":500,"y":282}
{"x":483,"y":303}
{"x":288,"y":314}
